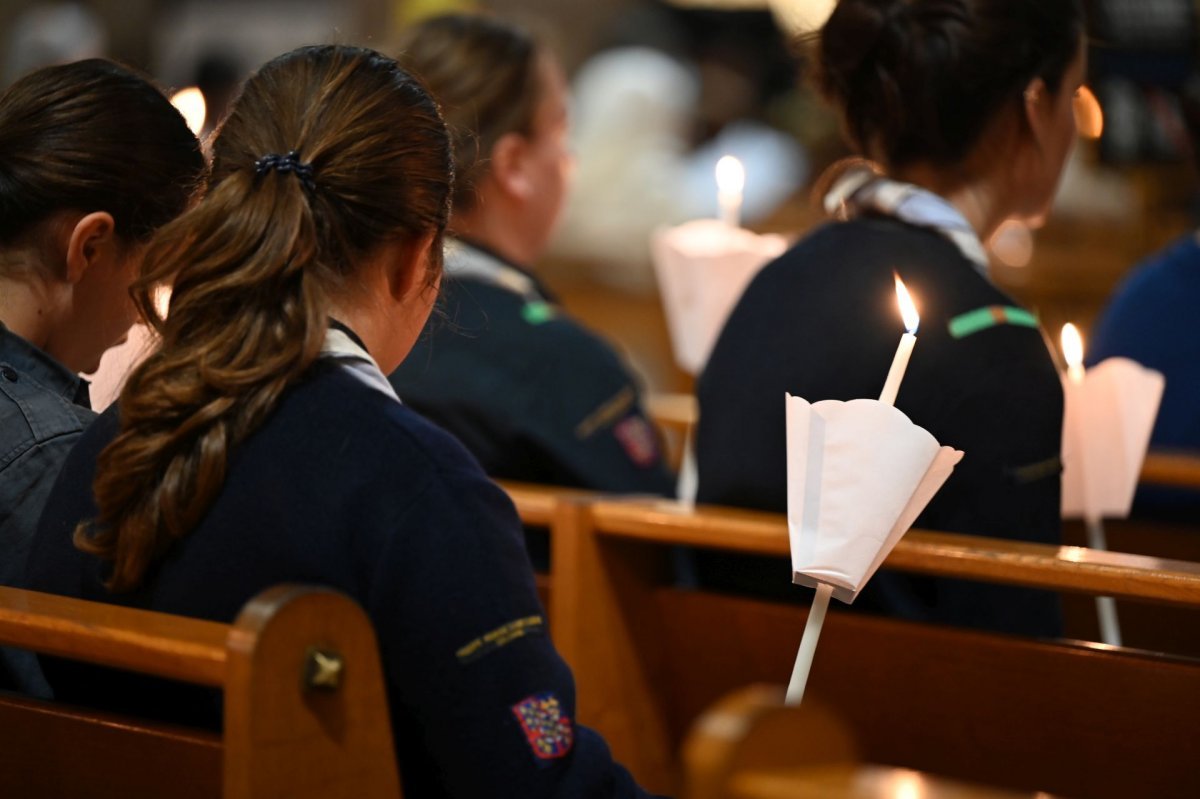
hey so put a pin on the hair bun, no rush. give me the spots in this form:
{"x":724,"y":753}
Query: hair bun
{"x":920,"y":79}
{"x":854,"y":31}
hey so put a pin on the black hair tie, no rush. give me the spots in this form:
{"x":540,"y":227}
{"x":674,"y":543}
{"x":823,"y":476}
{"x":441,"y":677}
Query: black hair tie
{"x":285,"y":164}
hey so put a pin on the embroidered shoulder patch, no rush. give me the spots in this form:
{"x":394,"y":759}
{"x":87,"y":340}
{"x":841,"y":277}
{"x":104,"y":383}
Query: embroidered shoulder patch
{"x":546,"y":727}
{"x":979,"y":319}
{"x":503,"y":635}
{"x":638,"y":440}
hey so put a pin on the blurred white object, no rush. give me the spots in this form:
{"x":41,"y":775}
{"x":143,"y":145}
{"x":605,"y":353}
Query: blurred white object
{"x":631,"y":110}
{"x":632,"y":113}
{"x":703,"y":267}
{"x":52,"y":33}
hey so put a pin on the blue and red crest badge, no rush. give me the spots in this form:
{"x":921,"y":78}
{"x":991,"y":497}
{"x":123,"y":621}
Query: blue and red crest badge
{"x":638,"y":439}
{"x":546,"y":727}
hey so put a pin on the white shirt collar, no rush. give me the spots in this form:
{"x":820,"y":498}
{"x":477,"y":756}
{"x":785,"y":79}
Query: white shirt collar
{"x":356,"y":360}
{"x":463,"y":260}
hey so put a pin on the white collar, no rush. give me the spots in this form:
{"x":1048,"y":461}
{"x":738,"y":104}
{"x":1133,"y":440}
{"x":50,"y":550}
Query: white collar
{"x":861,"y":188}
{"x":351,"y":356}
{"x":464,"y":260}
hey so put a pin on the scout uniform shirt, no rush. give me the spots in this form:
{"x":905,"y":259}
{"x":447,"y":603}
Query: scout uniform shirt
{"x":343,"y":486}
{"x":821,"y":322}
{"x":527,"y":389}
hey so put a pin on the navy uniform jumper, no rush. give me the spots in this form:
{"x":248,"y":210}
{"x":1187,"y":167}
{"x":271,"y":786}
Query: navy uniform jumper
{"x":345,"y":487}
{"x":533,"y":394}
{"x":1150,"y":318}
{"x":821,"y":322}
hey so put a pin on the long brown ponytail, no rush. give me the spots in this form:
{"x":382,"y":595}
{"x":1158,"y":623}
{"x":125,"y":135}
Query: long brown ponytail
{"x":253,"y":266}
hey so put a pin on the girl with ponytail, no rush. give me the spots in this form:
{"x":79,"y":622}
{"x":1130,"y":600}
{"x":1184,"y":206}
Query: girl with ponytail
{"x":962,"y":113}
{"x":93,"y":158}
{"x":260,"y":442}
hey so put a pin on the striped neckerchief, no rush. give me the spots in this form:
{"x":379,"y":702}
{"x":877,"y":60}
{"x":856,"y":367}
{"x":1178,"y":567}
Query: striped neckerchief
{"x":465,"y":259}
{"x":348,"y":351}
{"x":861,"y":189}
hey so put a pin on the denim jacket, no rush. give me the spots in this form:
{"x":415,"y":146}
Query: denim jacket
{"x":43,"y":409}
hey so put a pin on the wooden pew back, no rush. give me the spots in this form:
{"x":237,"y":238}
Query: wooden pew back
{"x":649,"y":657}
{"x":1073,"y":719}
{"x":305,"y":711}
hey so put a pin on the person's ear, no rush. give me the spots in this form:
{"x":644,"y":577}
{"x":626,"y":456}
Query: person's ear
{"x":509,"y":166}
{"x":409,"y":267}
{"x":93,"y":240}
{"x":1038,"y":110}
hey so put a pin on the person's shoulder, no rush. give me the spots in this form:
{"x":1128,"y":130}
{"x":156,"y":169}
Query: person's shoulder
{"x":359,"y":416}
{"x":32,"y":414}
{"x":1176,"y":267}
{"x":841,"y":252}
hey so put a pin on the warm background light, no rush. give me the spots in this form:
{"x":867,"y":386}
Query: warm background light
{"x":190,"y":103}
{"x":1089,"y":116}
{"x":796,"y":16}
{"x":1012,"y":243}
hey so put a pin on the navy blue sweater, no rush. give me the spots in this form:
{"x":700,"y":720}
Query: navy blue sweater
{"x":345,"y":487}
{"x":821,"y":323}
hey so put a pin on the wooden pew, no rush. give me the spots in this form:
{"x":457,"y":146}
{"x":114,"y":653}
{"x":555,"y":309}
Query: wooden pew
{"x":1171,"y":469}
{"x":649,"y":657}
{"x":305,"y":710}
{"x":676,"y":414}
{"x":750,"y":746}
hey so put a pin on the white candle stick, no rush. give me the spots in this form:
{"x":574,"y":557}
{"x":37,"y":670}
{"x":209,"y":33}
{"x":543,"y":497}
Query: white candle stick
{"x":1106,"y":606}
{"x":820,"y":604}
{"x":891,"y":386}
{"x":689,"y":475}
{"x":731,"y":181}
{"x":808,"y":644}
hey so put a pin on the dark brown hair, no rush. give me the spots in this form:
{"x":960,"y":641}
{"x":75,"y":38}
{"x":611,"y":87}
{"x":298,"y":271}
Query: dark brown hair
{"x":93,"y":136}
{"x":919,"y":80}
{"x":254,"y":265}
{"x":484,"y":73}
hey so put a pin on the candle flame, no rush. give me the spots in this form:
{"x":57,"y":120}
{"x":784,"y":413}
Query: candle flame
{"x":731,"y":175}
{"x":1089,"y":116}
{"x":190,"y":103}
{"x":1072,"y":346}
{"x":908,"y":310}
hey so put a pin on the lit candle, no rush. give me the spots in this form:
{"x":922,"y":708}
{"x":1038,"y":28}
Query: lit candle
{"x":1072,"y":347}
{"x":908,"y":311}
{"x":190,"y":104}
{"x":731,"y":180}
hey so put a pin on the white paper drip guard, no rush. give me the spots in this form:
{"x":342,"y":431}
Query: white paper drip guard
{"x":859,"y":474}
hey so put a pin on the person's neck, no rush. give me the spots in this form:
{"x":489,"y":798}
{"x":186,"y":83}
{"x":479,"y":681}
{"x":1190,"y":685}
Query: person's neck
{"x":978,"y":201}
{"x":26,"y":310}
{"x":497,"y":234}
